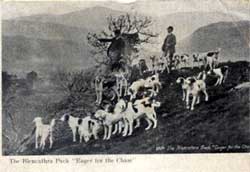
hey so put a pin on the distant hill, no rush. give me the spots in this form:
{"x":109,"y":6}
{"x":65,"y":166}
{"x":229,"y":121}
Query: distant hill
{"x":187,"y":22}
{"x":40,"y":30}
{"x":22,"y":54}
{"x":232,"y":37}
{"x":94,"y":18}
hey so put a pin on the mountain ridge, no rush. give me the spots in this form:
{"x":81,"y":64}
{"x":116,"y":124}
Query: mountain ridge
{"x":231,"y":37}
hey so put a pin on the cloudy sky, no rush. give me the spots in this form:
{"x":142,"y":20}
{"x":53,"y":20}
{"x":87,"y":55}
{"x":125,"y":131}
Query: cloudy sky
{"x":150,"y":7}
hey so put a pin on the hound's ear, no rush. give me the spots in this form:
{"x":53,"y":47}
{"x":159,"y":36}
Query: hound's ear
{"x":104,"y":117}
{"x":144,"y":103}
{"x":182,"y":80}
{"x":35,"y":119}
{"x":127,"y":97}
{"x":149,"y":104}
{"x":151,"y":99}
{"x":66,"y":117}
{"x":79,"y":121}
{"x":90,"y":126}
{"x":209,"y":54}
{"x":192,"y":80}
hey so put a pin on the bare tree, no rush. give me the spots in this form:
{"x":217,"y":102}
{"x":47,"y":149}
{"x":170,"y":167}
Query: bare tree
{"x":127,"y":24}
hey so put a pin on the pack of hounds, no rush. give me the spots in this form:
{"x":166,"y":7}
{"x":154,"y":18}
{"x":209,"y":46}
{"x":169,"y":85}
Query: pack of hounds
{"x":136,"y":101}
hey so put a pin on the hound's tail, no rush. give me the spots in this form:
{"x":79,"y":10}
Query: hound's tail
{"x":156,"y":104}
{"x":202,"y":76}
{"x":52,"y":123}
{"x":225,"y":72}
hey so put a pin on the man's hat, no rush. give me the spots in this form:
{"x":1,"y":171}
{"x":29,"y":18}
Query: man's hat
{"x":170,"y":27}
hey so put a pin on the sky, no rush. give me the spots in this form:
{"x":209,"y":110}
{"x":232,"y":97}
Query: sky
{"x":237,"y":7}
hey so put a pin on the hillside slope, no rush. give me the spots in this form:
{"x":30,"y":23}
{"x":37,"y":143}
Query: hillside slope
{"x":211,"y":127}
{"x":232,"y":37}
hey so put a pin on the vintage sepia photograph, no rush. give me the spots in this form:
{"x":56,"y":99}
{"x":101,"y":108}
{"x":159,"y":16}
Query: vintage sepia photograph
{"x":141,"y":77}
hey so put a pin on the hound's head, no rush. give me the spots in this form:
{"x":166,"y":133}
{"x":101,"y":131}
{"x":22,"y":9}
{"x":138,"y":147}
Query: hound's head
{"x":142,"y":62}
{"x":152,"y":58}
{"x":37,"y":120}
{"x":120,"y":106}
{"x":100,"y":114}
{"x":216,"y":54}
{"x":86,"y":137}
{"x":88,"y":125}
{"x":65,"y":118}
{"x":176,"y":57}
{"x":195,"y":57}
{"x":146,"y":104}
{"x":188,"y":82}
{"x":151,"y":80}
{"x":99,"y":78}
{"x":149,"y":93}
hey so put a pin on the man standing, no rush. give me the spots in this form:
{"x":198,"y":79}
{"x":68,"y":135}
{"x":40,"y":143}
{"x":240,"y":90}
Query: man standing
{"x":168,"y":46}
{"x":116,"y":49}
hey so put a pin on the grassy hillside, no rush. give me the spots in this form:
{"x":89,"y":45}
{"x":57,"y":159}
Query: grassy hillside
{"x":222,"y":121}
